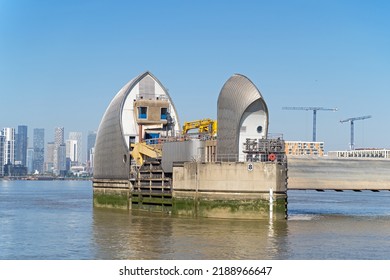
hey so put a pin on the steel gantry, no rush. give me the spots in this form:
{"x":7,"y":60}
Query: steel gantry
{"x":352,"y":120}
{"x":314,"y":109}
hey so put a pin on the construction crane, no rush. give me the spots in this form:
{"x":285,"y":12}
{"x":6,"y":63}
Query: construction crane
{"x":203,"y":126}
{"x":352,"y":121}
{"x":314,"y":109}
{"x":141,"y":151}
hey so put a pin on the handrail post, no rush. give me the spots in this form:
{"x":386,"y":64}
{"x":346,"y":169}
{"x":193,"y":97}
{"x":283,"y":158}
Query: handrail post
{"x":271,"y":202}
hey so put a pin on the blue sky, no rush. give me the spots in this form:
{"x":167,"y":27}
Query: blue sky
{"x":61,"y":62}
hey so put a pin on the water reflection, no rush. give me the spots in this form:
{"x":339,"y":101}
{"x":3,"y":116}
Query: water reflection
{"x":143,"y":235}
{"x":56,"y":220}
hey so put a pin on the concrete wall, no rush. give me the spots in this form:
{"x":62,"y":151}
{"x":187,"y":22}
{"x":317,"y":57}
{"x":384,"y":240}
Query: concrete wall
{"x":230,"y":178}
{"x":338,"y":174}
{"x":229,"y":190}
{"x":111,"y":193}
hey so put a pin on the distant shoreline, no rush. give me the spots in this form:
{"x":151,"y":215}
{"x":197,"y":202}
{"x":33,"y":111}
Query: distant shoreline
{"x":43,"y":178}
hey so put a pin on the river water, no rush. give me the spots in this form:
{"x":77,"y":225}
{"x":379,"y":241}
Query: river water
{"x":50,"y":220}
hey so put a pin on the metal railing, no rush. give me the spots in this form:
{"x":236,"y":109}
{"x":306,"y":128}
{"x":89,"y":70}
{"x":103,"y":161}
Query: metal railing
{"x":150,"y":96}
{"x":230,"y":158}
{"x":265,"y":150}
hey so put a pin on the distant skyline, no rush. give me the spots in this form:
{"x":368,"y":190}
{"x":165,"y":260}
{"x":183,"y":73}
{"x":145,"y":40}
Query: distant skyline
{"x":62,"y":62}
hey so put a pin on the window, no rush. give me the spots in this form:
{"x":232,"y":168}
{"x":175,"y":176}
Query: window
{"x":142,"y":112}
{"x":164,"y":113}
{"x":131,"y":140}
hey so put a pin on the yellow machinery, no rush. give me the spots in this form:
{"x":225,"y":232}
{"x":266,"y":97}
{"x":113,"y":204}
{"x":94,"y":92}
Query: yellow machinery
{"x":141,"y":150}
{"x":204,"y":126}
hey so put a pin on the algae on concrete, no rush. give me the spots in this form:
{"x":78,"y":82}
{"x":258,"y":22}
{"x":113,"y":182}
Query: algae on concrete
{"x":246,"y":209}
{"x":111,"y":200}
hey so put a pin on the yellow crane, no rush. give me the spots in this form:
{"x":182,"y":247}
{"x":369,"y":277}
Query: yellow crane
{"x":204,"y":126}
{"x":141,"y":150}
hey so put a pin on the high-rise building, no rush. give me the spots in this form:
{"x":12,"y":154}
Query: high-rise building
{"x":1,"y":155}
{"x":21,"y":145}
{"x":9,"y":145}
{"x":58,"y":141}
{"x":30,"y":160}
{"x":72,"y":151}
{"x":76,"y":138}
{"x":49,"y":157}
{"x":61,"y":160}
{"x":91,"y":156}
{"x":91,"y":140}
{"x":90,"y":143}
{"x":59,"y":136}
{"x":39,"y":149}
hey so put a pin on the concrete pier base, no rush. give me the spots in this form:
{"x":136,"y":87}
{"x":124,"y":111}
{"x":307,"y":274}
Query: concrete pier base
{"x":239,"y":209}
{"x":230,"y":190}
{"x":255,"y":190}
{"x":111,"y":193}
